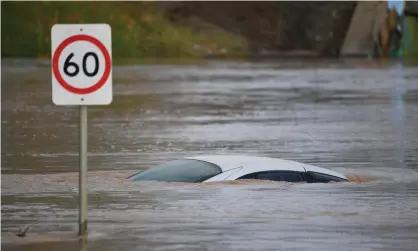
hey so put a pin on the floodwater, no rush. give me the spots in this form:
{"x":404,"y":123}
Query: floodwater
{"x":359,"y":118}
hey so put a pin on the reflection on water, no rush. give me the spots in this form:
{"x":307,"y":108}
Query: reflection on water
{"x":359,"y":121}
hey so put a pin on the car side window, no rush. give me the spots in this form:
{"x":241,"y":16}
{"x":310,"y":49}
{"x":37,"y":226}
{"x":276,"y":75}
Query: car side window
{"x":322,"y":178}
{"x":292,"y":177}
{"x":276,"y":176}
{"x":248,"y":177}
{"x":270,"y":176}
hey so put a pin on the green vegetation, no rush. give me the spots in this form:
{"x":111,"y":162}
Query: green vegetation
{"x":410,"y":38}
{"x":139,"y":31}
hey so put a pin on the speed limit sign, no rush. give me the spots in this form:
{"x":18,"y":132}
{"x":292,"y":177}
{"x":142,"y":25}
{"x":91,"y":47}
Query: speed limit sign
{"x":81,"y":64}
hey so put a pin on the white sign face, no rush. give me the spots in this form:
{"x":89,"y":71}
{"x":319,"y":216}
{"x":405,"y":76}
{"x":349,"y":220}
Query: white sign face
{"x":81,"y":64}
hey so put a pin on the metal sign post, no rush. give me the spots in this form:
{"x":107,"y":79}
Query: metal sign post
{"x":82,"y":184}
{"x":82,"y":76}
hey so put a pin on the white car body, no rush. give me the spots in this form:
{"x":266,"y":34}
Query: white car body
{"x":236,"y":166}
{"x":211,"y":168}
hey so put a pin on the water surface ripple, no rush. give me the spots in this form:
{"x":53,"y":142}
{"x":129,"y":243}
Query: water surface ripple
{"x":341,"y":115}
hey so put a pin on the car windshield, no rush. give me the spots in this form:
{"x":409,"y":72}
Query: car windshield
{"x":184,"y":170}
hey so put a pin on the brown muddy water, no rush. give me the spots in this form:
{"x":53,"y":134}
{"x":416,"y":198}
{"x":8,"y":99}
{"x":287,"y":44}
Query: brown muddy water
{"x":359,"y":118}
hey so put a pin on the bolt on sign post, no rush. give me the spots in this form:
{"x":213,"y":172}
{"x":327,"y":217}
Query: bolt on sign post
{"x":81,"y":76}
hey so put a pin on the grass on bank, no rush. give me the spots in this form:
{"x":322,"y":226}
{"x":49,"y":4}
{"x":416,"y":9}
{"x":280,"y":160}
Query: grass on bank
{"x":140,"y":31}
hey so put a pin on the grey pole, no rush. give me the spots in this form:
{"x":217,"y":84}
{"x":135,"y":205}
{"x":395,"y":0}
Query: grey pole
{"x":82,"y":185}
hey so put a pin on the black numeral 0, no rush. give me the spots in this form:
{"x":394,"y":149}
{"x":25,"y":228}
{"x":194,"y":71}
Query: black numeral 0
{"x":68,"y":64}
{"x":96,"y":64}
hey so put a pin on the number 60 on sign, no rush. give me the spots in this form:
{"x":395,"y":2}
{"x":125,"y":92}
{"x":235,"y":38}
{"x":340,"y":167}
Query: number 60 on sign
{"x":81,"y":64}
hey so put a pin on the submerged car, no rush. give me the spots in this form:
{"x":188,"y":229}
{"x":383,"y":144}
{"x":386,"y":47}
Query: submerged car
{"x":211,"y":168}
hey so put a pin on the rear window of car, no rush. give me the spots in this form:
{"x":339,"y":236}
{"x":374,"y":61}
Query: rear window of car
{"x":183,"y":170}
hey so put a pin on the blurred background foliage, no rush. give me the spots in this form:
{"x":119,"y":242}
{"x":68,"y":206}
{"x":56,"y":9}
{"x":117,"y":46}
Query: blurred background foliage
{"x":139,"y":30}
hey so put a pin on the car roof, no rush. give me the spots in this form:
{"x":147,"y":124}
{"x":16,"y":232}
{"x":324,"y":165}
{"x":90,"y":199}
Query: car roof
{"x":258,"y":163}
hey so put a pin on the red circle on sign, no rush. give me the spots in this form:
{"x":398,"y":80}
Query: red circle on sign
{"x":57,"y":73}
